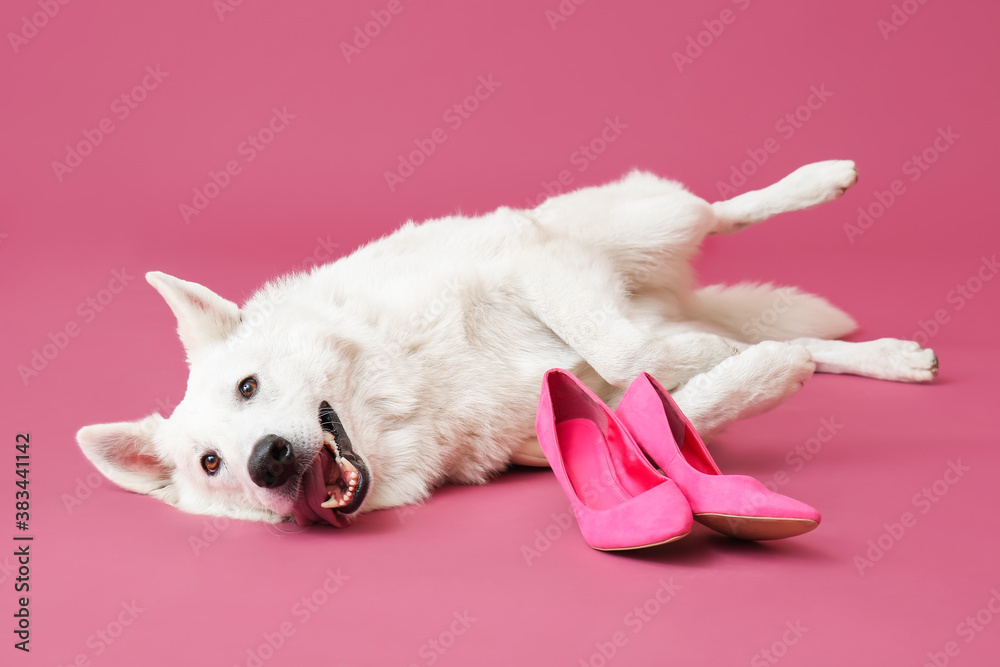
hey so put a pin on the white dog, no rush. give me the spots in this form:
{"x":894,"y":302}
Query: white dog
{"x":417,"y":360}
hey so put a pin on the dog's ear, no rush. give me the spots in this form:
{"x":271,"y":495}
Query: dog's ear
{"x":202,"y":315}
{"x":124,"y":452}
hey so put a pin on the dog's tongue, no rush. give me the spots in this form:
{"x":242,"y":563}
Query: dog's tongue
{"x":308,"y":507}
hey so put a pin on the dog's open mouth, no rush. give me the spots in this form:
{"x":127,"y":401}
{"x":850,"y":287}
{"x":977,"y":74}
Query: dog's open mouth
{"x":337,"y":481}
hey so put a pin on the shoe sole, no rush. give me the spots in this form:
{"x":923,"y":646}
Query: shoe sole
{"x":642,"y":546}
{"x":754,"y":527}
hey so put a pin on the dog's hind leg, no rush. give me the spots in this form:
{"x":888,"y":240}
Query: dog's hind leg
{"x":650,"y":226}
{"x":646,"y":225}
{"x":806,"y":186}
{"x":883,"y":359}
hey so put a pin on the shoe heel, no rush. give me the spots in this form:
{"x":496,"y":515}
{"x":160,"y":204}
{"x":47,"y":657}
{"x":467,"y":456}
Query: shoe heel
{"x":620,"y":501}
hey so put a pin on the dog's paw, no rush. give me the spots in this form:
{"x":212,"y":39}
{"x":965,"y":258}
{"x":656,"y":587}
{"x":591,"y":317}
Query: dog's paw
{"x":764,"y":375}
{"x":822,"y":181}
{"x":904,"y":360}
{"x":780,"y":367}
{"x":703,"y":349}
{"x":775,"y":371}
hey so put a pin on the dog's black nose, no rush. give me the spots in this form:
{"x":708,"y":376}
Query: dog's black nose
{"x":272,"y":461}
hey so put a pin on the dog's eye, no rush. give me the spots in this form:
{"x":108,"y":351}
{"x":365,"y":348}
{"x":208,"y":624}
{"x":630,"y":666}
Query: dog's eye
{"x":248,"y":386}
{"x":211,"y":463}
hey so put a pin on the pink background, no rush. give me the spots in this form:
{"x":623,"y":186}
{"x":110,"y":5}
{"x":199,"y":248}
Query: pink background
{"x":410,"y":572}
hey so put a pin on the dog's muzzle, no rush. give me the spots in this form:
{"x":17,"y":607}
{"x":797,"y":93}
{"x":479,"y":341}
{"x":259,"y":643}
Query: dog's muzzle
{"x":337,"y":481}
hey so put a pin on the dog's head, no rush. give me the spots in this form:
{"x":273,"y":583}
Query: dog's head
{"x":257,"y":435}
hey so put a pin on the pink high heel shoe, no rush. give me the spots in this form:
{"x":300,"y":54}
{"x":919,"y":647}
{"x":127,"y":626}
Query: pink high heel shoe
{"x":735,"y":505}
{"x":619,"y":499}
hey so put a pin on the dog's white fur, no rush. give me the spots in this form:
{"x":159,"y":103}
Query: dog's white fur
{"x":430,"y":344}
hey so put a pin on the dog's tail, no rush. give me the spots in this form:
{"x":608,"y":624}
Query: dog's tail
{"x":753,"y":313}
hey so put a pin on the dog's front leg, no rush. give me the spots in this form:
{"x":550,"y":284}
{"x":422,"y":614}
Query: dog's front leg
{"x":885,"y":358}
{"x":580,"y":297}
{"x":760,"y":378}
